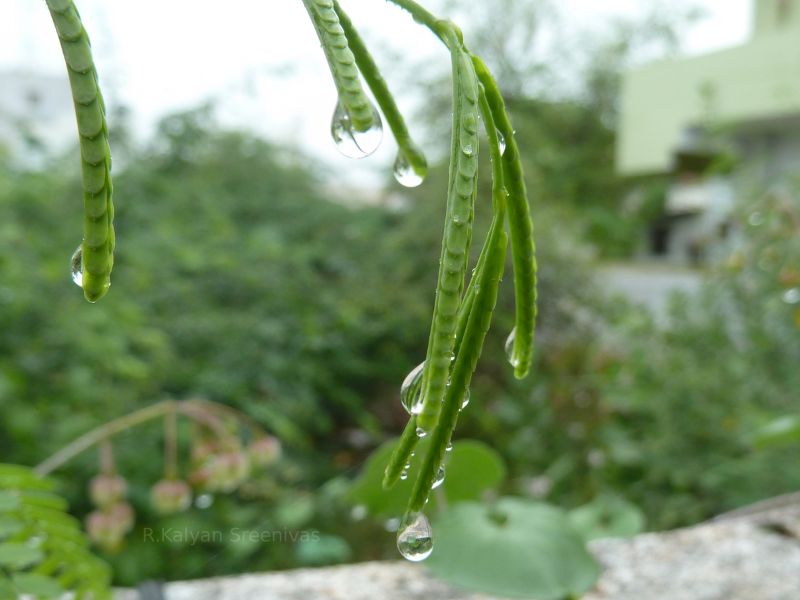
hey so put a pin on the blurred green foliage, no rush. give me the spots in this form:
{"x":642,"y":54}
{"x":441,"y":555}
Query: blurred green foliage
{"x":239,"y":280}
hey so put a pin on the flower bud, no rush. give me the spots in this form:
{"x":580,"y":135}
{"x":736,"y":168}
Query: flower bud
{"x":171,"y":496}
{"x":265,"y":451}
{"x":123,"y":516}
{"x":227,"y":470}
{"x":106,"y":490}
{"x":102,"y":530}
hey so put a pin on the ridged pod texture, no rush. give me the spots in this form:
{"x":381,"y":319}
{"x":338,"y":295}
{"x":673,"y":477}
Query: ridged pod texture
{"x":342,"y":63}
{"x":98,"y":243}
{"x":480,"y":317}
{"x":457,"y":236}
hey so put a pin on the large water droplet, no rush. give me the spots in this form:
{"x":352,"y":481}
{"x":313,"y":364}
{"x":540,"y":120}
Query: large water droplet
{"x":352,"y":143}
{"x":421,"y":433}
{"x":792,"y":296}
{"x":410,"y":390}
{"x":405,"y":174}
{"x":76,"y":267}
{"x":439,"y":479}
{"x":501,"y":141}
{"x":403,"y":475}
{"x":468,"y":150}
{"x":415,"y":537}
{"x":513,"y":360}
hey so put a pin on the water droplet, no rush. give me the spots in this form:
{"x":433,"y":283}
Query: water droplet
{"x":513,"y":360}
{"x":358,"y":512}
{"x":407,"y":465}
{"x":410,"y":390}
{"x":421,"y":433}
{"x":76,"y":267}
{"x":465,"y":401}
{"x":468,"y":150}
{"x":449,"y":447}
{"x":501,"y":141}
{"x":413,"y":454}
{"x":439,"y":479}
{"x":403,"y":475}
{"x":204,"y":501}
{"x":405,"y":174}
{"x":352,"y":143}
{"x":415,"y":537}
{"x":792,"y":296}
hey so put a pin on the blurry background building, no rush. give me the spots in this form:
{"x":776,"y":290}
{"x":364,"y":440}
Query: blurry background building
{"x":36,"y":115}
{"x":708,"y":120}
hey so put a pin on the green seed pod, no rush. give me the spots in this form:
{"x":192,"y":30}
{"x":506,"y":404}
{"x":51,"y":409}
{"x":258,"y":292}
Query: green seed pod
{"x":485,"y":298}
{"x":342,"y":63}
{"x":96,"y":259}
{"x":411,"y":153}
{"x":457,"y":236}
{"x":523,"y":250}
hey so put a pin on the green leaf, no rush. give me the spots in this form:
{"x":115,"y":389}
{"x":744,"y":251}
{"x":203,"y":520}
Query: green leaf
{"x":607,"y":516}
{"x":514,"y":548}
{"x":15,"y":476}
{"x":9,"y":500}
{"x":37,"y":585}
{"x":782,"y":431}
{"x":322,"y":549}
{"x":18,"y":556}
{"x":9,"y":526}
{"x":471,"y":468}
{"x":367,"y":490}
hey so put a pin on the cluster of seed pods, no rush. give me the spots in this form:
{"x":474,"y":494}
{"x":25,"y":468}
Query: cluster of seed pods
{"x":219,"y":463}
{"x":436,"y":390}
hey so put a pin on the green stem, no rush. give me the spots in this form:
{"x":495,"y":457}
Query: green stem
{"x":171,"y":444}
{"x":199,"y":411}
{"x":377,"y":85}
{"x":101,"y":433}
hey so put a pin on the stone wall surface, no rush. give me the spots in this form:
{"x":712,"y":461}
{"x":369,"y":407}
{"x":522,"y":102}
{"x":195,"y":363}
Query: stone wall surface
{"x":753,"y":555}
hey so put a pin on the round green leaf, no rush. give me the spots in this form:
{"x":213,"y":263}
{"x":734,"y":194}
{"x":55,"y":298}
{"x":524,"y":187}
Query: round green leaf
{"x":471,"y":468}
{"x":606,"y":517}
{"x":514,"y":548}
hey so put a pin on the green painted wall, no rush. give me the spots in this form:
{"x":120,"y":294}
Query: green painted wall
{"x":756,"y":81}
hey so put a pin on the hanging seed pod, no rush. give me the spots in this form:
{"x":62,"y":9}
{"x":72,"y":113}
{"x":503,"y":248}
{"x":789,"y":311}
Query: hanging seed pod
{"x":92,"y":262}
{"x":457,"y":236}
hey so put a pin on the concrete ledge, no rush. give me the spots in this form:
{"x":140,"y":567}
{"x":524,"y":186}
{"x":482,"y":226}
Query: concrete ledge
{"x":754,"y":555}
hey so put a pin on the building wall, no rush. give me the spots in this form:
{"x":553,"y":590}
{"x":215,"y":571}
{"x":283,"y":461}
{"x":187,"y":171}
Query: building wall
{"x":36,"y":115}
{"x":756,"y":81}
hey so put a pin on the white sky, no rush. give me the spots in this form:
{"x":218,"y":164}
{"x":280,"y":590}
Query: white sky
{"x":159,"y":55}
